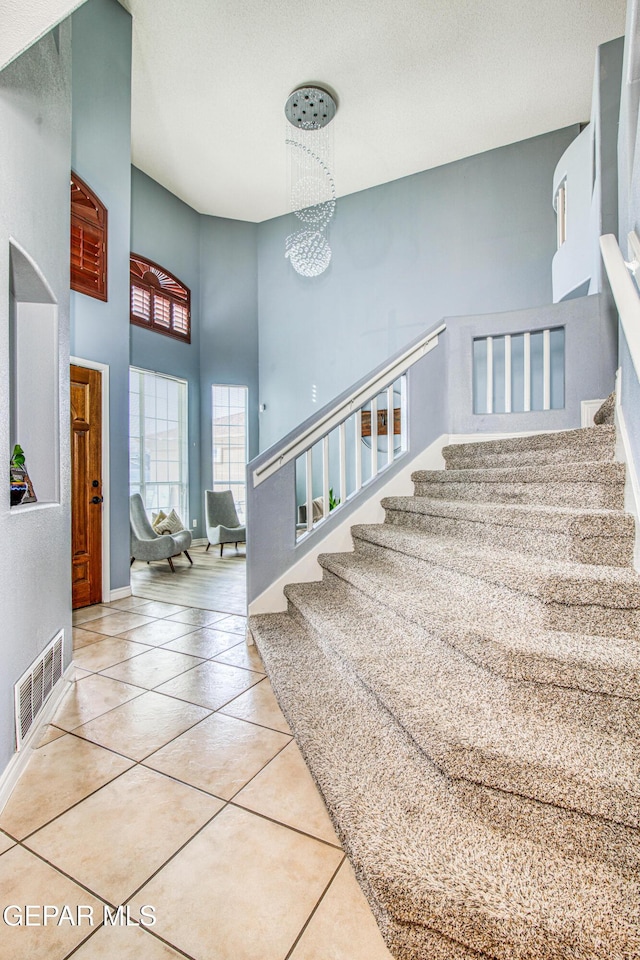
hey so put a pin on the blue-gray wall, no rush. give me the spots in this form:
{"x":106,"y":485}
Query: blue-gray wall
{"x":101,"y":156}
{"x":167,"y":231}
{"x":473,"y":236}
{"x":217,"y":260}
{"x":35,"y":155}
{"x":229,"y":321}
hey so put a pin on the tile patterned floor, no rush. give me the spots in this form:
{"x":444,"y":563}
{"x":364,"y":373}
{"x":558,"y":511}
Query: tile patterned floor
{"x":169,"y":778}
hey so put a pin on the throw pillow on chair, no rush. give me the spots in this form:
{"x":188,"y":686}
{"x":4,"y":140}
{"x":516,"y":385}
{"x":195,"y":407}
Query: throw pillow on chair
{"x":171,"y":524}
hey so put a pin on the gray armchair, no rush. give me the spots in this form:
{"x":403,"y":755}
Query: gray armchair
{"x":148,"y":545}
{"x":222,"y":521}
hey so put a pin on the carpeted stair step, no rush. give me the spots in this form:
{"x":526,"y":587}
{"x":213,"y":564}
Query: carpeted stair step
{"x":589,"y":485}
{"x":449,"y":880}
{"x":571,"y":597}
{"x":497,"y":628}
{"x":603,"y":537}
{"x":590,"y":444}
{"x":575,"y":750}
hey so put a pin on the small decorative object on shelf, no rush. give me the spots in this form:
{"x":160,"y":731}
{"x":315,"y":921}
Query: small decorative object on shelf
{"x":18,"y":491}
{"x":21,"y":487}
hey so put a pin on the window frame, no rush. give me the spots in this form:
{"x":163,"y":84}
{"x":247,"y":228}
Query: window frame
{"x":183,"y":425}
{"x":560,"y":206}
{"x":225,"y":484}
{"x":161,"y":287}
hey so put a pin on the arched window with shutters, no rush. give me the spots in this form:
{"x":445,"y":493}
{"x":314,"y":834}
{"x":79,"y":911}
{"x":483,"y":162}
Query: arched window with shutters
{"x":159,"y":301}
{"x":88,"y":241}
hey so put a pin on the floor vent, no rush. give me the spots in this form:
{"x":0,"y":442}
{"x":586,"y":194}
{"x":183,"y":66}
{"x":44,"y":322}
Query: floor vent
{"x":35,"y":686}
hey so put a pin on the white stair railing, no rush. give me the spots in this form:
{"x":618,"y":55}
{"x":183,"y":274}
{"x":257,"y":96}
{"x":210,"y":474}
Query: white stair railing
{"x":625,"y":292}
{"x":348,"y":446}
{"x":500,"y":394}
{"x":376,"y":429}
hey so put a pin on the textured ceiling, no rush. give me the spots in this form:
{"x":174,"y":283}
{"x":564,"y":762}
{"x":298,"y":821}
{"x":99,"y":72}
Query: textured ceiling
{"x":22,"y":22}
{"x":419,"y":83}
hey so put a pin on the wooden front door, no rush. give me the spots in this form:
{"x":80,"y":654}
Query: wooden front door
{"x":86,"y":486}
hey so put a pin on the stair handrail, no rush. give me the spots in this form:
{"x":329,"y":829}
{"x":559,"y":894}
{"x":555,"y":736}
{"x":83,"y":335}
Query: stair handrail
{"x":625,"y":292}
{"x":331,"y":415}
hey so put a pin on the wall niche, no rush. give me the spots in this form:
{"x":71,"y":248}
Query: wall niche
{"x":34,"y":420}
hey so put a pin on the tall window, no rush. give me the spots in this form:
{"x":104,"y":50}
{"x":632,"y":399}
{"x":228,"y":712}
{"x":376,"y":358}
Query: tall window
{"x":158,"y":441}
{"x":229,"y":416}
{"x":561,"y":211}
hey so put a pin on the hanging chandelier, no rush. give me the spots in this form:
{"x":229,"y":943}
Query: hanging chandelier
{"x":312,"y":191}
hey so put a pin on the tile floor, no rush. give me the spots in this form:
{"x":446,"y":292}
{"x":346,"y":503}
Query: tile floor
{"x":169,"y":779}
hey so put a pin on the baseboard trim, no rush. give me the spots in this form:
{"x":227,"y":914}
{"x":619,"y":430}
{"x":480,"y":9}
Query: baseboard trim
{"x":588,"y":410}
{"x":120,"y":594}
{"x":18,"y":762}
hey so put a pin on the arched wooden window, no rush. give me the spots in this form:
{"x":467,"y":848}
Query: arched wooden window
{"x":159,"y":301}
{"x":88,"y":241}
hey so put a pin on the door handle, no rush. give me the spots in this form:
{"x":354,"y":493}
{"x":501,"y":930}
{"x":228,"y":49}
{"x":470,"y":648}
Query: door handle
{"x":96,"y":499}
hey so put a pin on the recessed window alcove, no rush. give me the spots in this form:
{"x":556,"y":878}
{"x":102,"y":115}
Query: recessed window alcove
{"x":34,"y":375}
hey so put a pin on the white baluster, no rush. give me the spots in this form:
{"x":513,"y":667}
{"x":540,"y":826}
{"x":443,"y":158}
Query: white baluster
{"x":325,"y":476}
{"x":404,"y":415}
{"x":527,"y":372}
{"x":489,"y":374}
{"x":390,"y":425}
{"x":342,"y":436}
{"x":374,"y":437}
{"x":358,"y":450}
{"x":546,"y":369}
{"x":507,"y":373}
{"x":309,"y":484}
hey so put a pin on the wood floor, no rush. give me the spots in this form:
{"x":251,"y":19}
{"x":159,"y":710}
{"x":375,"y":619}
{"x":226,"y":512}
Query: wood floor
{"x":212,"y":583}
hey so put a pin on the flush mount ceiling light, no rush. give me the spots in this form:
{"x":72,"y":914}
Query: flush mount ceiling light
{"x":312,"y":191}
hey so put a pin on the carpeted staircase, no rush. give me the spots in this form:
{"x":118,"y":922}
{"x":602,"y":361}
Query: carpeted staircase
{"x":465,"y":688}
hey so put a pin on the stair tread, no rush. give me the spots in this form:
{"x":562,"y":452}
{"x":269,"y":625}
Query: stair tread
{"x":549,"y":580}
{"x":603,"y":521}
{"x":576,"y":750}
{"x":583,"y":436}
{"x":587,"y":471}
{"x":432,"y":862}
{"x":490,"y":630}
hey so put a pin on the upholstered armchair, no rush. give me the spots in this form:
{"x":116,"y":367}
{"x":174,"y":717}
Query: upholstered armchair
{"x":223,"y":525}
{"x":148,"y":545}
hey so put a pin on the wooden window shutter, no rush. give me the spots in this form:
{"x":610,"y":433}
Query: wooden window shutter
{"x":88,"y":241}
{"x":159,"y":300}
